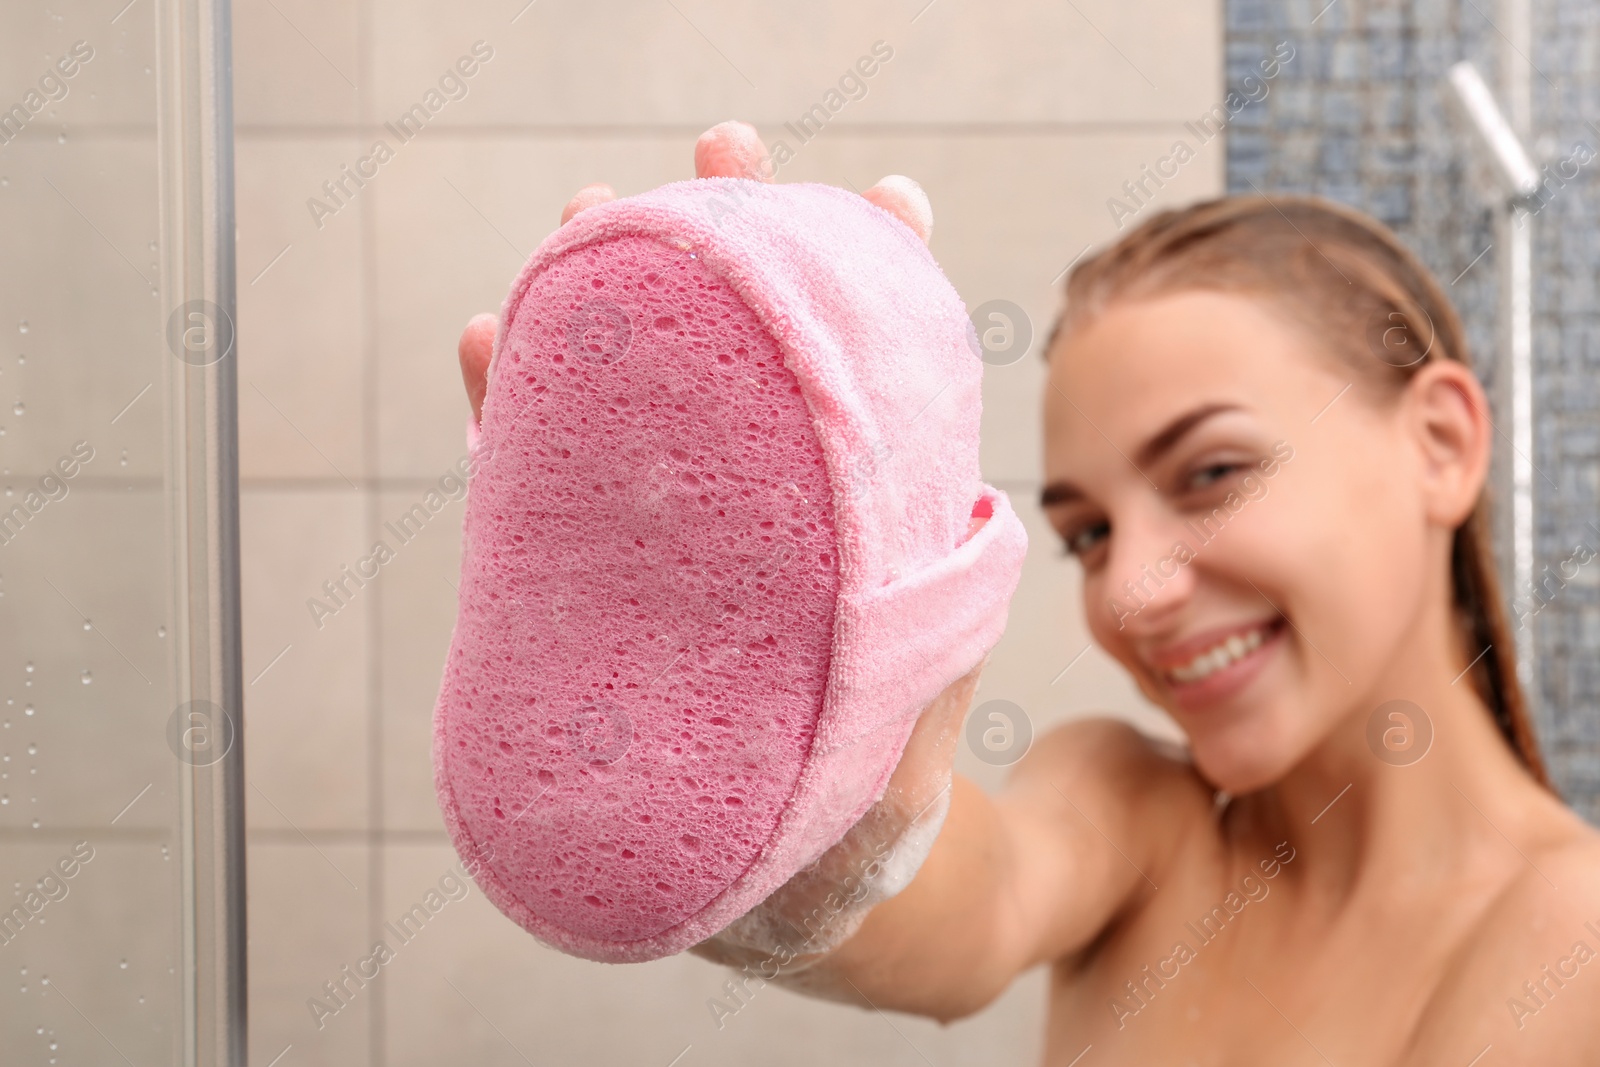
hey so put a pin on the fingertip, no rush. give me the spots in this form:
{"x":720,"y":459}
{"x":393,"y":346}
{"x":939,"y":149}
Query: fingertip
{"x":477,"y":339}
{"x":475,"y":349}
{"x":905,"y":200}
{"x":732,"y":149}
{"x":587,"y":197}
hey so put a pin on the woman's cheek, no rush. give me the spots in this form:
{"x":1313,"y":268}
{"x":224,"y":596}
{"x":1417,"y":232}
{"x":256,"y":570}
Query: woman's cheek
{"x":1102,"y":614}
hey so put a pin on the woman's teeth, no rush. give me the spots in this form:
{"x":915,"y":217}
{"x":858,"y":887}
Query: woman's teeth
{"x":1218,"y":656}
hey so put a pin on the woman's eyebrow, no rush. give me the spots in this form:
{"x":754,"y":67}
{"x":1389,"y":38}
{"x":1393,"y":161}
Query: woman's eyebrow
{"x":1063,"y":492}
{"x":1059,"y":493}
{"x":1174,"y":431}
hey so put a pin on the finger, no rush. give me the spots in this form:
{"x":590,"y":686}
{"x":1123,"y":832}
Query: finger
{"x":587,"y":197}
{"x":732,"y":150}
{"x":474,"y":349}
{"x":905,"y":200}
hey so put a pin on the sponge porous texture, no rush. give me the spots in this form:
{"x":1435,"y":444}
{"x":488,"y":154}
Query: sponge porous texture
{"x":715,"y":557}
{"x":658,"y":603}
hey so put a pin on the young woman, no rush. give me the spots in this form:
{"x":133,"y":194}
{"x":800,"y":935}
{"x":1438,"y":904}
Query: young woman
{"x":1266,"y":450}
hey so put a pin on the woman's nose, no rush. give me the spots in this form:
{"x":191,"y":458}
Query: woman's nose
{"x":1149,"y":575}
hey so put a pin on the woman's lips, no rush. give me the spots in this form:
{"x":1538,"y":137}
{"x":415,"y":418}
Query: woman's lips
{"x":1219,"y":665}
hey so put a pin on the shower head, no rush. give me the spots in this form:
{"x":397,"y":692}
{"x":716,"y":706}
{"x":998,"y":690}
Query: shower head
{"x":1514,"y":168}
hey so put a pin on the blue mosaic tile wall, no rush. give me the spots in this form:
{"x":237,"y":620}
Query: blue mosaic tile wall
{"x":1361,"y":115}
{"x":1566,"y":259}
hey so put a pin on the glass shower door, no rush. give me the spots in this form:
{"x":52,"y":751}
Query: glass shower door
{"x":119,"y":747}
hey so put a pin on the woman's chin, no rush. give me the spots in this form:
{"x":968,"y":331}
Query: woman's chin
{"x":1235,"y":769}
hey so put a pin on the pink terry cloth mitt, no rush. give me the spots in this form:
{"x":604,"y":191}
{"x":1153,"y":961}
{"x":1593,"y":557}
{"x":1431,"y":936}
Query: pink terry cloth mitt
{"x":716,"y":556}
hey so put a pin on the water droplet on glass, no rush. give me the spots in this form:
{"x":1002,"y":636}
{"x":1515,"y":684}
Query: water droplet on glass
{"x":61,"y":138}
{"x":87,"y":625}
{"x":161,"y":631}
{"x":22,"y":327}
{"x":4,"y":182}
{"x":28,"y":710}
{"x":33,"y":749}
{"x":86,"y":679}
{"x":4,"y":800}
{"x":28,"y":666}
{"x":123,"y":965}
{"x":36,"y":826}
{"x":124,"y":457}
{"x":16,"y":409}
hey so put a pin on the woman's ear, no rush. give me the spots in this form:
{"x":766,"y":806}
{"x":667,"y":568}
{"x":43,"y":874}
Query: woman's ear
{"x":1447,"y":414}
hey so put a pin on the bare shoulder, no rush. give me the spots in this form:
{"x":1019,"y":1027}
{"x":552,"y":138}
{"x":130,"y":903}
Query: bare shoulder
{"x":1530,"y":968}
{"x":1105,"y":761}
{"x":1572,"y":855}
{"x":1100,"y":813}
{"x":1549,"y":926}
{"x":1557,"y":882}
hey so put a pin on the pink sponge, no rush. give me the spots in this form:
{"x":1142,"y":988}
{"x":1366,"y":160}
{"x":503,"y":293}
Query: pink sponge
{"x":715,"y":556}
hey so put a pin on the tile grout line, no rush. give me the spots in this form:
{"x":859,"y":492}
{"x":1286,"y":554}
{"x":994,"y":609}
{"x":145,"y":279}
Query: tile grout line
{"x":673,"y":131}
{"x":377,"y":1020}
{"x":668,"y":130}
{"x":254,"y":835}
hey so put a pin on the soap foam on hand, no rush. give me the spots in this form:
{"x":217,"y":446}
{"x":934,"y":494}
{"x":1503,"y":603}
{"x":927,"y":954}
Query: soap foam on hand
{"x":717,"y":558}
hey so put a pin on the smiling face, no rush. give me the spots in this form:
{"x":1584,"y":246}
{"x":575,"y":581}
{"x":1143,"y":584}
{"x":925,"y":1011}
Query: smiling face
{"x":1255,"y":549}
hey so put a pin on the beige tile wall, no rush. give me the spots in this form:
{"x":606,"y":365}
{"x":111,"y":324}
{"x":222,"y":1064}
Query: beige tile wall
{"x":1019,"y":119}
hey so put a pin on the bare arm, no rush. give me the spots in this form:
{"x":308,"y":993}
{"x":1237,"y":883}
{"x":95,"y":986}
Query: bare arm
{"x":1084,"y":830}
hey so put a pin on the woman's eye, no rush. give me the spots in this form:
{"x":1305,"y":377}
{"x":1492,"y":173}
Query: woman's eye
{"x":1211,"y":474}
{"x":1080,"y":541}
